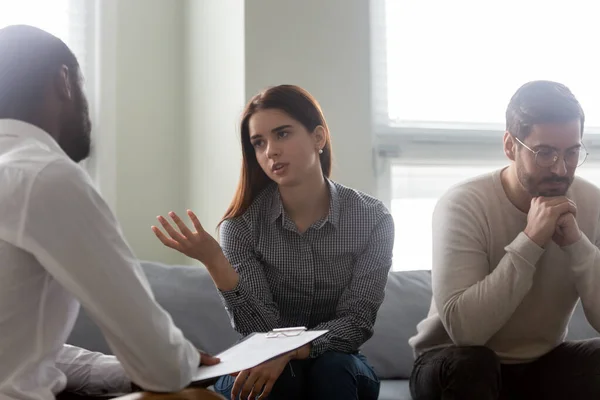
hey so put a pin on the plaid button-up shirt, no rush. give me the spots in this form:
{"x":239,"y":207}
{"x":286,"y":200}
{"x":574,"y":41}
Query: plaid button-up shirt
{"x":332,"y":276}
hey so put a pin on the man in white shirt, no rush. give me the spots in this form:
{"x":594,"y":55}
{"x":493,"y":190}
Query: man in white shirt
{"x":513,"y":253}
{"x":60,"y":245}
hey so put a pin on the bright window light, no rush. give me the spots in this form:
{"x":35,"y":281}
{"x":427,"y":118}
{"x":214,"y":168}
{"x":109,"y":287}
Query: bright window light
{"x":416,"y":190}
{"x":460,"y":61}
{"x":51,"y":16}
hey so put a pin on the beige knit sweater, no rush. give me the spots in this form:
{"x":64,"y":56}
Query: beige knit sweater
{"x":493,"y":286}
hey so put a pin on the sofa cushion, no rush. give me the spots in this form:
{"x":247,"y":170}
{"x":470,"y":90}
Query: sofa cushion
{"x":394,"y":390}
{"x":579,"y":327}
{"x":406,"y":303}
{"x":189,"y":295}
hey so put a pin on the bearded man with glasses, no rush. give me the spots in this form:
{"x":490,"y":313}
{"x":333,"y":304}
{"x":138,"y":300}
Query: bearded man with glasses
{"x":513,"y":253}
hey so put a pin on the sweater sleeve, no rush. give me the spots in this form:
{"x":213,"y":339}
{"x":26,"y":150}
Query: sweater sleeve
{"x":473,"y":302}
{"x":585,"y":264}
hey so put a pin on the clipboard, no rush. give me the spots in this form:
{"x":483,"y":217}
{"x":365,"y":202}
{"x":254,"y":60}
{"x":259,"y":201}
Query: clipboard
{"x":285,"y":332}
{"x":256,"y":349}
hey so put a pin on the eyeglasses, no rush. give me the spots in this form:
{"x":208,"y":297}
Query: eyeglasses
{"x":546,"y":158}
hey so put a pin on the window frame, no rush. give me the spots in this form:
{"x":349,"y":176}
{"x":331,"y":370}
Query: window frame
{"x":427,"y":143}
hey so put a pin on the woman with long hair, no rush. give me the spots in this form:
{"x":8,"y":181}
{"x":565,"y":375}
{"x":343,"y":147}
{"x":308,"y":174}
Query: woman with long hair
{"x":298,"y":249}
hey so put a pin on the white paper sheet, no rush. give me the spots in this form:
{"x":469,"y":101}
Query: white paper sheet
{"x":255,"y":350}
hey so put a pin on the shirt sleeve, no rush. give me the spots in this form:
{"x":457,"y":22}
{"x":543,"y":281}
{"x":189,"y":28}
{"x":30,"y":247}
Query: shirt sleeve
{"x":92,"y":373}
{"x":70,"y":230}
{"x":473,"y":302}
{"x":250,"y":304}
{"x":357,"y":308}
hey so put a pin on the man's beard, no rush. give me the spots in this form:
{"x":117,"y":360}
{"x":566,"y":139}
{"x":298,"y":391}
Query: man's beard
{"x":76,"y":128}
{"x":532,"y":186}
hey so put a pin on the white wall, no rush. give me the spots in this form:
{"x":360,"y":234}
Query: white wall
{"x":175,"y":78}
{"x":323,"y":46}
{"x":142,"y":168}
{"x":214,"y":103}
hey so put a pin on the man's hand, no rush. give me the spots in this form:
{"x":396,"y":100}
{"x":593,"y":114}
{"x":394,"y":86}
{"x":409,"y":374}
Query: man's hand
{"x":259,"y":381}
{"x":543,"y":217}
{"x":207,"y":359}
{"x":567,"y":231}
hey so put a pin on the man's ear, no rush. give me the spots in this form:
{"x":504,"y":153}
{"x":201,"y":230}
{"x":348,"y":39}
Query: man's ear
{"x":509,"y":146}
{"x":320,"y":136}
{"x":63,"y":84}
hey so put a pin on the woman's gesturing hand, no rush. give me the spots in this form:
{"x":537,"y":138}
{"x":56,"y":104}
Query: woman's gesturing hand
{"x":199,"y":244}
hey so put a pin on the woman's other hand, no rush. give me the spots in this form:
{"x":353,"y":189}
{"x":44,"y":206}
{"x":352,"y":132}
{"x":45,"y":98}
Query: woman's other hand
{"x":259,"y":381}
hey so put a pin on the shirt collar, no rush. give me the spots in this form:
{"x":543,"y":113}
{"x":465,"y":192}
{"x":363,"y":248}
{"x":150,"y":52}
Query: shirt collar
{"x":334,"y":207}
{"x":21,"y":129}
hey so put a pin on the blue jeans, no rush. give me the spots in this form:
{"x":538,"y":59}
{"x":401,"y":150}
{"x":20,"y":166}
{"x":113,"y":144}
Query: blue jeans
{"x":331,"y":376}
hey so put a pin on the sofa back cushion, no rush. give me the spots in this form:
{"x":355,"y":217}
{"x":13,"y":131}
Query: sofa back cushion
{"x":407,"y":299}
{"x":189,"y":295}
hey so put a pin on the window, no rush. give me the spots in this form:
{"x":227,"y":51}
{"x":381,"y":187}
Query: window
{"x":415,"y":192}
{"x":70,"y":20}
{"x":416,"y":189}
{"x":443,"y":74}
{"x":458,"y":63}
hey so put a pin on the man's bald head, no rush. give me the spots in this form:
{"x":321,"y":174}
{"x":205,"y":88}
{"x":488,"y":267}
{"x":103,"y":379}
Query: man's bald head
{"x":40,"y":83}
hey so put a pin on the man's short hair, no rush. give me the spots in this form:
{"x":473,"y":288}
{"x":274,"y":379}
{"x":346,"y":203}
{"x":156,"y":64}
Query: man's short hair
{"x":29,"y":57}
{"x":541,"y":102}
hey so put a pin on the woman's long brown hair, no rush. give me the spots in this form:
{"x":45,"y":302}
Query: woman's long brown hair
{"x":298,"y":104}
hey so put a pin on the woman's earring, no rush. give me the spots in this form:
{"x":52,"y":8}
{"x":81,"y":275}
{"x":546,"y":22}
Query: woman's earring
{"x":320,"y":151}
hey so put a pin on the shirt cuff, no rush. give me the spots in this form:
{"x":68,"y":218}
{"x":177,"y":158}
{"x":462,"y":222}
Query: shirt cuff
{"x":318,"y":346}
{"x":526,"y":249}
{"x":236,"y":297}
{"x":581,"y":251}
{"x":107,"y":376}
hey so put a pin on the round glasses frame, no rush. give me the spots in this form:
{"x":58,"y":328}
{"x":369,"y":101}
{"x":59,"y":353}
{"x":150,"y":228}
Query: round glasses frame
{"x":556,"y":156}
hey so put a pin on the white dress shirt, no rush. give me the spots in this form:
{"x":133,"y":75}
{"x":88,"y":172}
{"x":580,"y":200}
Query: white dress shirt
{"x":60,"y":246}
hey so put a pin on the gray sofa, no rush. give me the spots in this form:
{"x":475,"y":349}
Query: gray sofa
{"x":188,"y":293}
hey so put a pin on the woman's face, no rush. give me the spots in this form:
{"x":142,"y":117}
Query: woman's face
{"x":286,"y":151}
